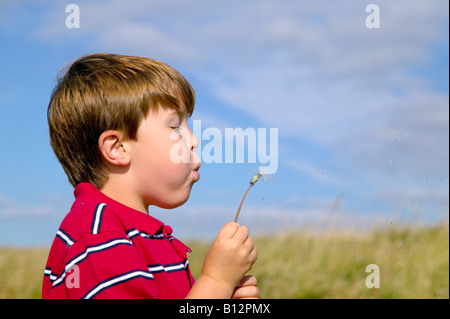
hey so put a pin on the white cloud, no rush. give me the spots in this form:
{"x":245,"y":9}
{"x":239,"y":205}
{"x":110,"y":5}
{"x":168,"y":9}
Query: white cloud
{"x":50,"y":205}
{"x":10,"y":209}
{"x":322,"y":174}
{"x":310,"y":68}
{"x":318,"y":214}
{"x":412,"y":133}
{"x":145,"y":38}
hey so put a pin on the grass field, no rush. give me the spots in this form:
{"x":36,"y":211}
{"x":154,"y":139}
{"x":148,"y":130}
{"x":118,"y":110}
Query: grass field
{"x":413,"y":263}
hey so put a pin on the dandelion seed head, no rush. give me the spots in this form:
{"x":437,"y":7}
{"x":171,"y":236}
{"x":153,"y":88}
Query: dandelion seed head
{"x":255,"y":178}
{"x":264,"y":175}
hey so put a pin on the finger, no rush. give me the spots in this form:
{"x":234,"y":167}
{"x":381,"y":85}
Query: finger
{"x":228,"y":230}
{"x":254,"y":255}
{"x":247,"y":292}
{"x":248,"y":280}
{"x":249,"y":244}
{"x":241,"y":234}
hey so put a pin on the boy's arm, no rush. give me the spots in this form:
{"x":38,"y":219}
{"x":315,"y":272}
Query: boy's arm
{"x":230,"y":257}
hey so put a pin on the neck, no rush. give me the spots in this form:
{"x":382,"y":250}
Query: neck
{"x":120,"y":193}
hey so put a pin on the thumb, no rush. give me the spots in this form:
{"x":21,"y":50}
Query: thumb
{"x":248,"y":280}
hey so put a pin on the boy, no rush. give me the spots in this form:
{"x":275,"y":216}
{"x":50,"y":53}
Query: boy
{"x":115,"y":124}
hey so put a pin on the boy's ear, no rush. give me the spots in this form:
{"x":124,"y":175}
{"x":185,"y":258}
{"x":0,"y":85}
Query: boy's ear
{"x":113,"y":149}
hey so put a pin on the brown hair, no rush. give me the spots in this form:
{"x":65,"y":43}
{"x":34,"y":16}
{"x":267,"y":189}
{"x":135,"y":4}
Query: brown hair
{"x":101,"y":92}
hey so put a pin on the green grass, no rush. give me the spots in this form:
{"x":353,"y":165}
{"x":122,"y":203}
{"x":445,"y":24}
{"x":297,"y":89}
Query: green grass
{"x":21,"y":272}
{"x":413,"y":263}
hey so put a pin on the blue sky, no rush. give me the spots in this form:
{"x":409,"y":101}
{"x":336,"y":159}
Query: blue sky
{"x":362,"y":114}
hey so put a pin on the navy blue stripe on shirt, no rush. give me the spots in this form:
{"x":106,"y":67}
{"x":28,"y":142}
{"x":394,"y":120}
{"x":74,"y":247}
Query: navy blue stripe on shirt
{"x":157,"y":268}
{"x":133,"y":233}
{"x":61,"y":234}
{"x":57,"y":280}
{"x":95,"y":249}
{"x":97,"y":221}
{"x":48,"y":273}
{"x":110,"y":282}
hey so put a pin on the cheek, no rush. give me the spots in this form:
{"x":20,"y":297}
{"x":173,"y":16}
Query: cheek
{"x":166,"y":184}
{"x":176,"y":174}
{"x":173,"y":170}
{"x":165,"y":162}
{"x":179,"y":148}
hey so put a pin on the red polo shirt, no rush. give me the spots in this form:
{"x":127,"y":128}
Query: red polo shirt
{"x":104,"y":249}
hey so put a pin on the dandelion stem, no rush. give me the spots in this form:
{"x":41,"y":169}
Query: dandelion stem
{"x":239,"y":209}
{"x":252,"y":182}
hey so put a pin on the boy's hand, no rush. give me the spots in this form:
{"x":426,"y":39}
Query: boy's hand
{"x":247,"y":289}
{"x":230,"y":257}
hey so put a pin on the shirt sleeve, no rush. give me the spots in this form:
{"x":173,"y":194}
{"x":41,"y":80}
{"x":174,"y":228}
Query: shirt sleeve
{"x":105,"y":266}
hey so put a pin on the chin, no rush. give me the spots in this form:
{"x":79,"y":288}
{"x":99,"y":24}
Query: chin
{"x":174,"y":202}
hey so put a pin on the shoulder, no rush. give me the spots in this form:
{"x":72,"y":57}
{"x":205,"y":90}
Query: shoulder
{"x":91,"y":218}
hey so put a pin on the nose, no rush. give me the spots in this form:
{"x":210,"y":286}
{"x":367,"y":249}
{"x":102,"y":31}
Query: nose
{"x":193,"y":146}
{"x":194,"y":140}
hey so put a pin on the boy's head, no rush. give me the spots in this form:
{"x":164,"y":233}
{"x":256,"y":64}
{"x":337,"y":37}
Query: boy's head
{"x":103,"y":92}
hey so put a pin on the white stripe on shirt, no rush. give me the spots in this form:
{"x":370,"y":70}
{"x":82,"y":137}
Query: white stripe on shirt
{"x":117,"y":280}
{"x":97,"y":218}
{"x":64,"y":237}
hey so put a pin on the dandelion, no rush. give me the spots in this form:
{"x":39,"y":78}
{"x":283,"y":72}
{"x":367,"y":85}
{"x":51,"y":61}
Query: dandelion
{"x":255,"y":179}
{"x":252,"y":182}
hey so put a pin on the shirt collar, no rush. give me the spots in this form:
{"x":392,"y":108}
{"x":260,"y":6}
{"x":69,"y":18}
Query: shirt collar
{"x":86,"y":192}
